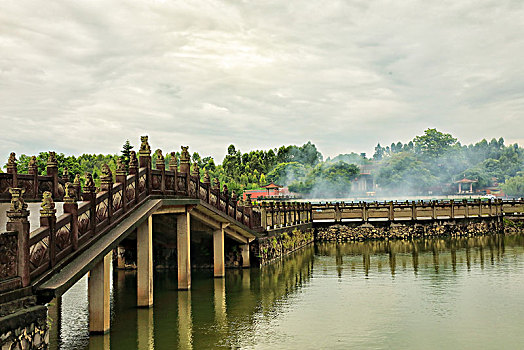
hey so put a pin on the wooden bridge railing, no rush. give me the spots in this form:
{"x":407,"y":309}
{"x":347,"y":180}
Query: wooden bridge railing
{"x":416,"y":210}
{"x":28,"y":256}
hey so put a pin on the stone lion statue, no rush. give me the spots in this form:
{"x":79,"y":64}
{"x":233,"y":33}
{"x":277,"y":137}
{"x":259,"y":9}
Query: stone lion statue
{"x":47,"y":201}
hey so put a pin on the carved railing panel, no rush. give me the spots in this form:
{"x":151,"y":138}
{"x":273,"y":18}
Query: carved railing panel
{"x":39,"y":252}
{"x":117,"y":201}
{"x":170,"y":182}
{"x":192,"y":189}
{"x":84,"y":223}
{"x":202,"y":193}
{"x":8,"y":255}
{"x":142,"y":183}
{"x":213,"y":199}
{"x":101,"y":211}
{"x":63,"y":238}
{"x":130,"y":192}
{"x":156,"y":182}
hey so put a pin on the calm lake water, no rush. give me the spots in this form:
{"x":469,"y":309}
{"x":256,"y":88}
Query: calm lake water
{"x":426,"y":294}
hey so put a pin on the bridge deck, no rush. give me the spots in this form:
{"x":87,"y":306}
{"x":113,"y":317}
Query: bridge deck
{"x":79,"y":266}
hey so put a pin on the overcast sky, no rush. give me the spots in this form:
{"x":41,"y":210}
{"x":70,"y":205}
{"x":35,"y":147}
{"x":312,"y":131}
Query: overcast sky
{"x":84,"y":76}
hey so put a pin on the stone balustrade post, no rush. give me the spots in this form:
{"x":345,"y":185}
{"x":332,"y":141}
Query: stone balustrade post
{"x":89,"y":195}
{"x":65,"y":175}
{"x":248,"y":210}
{"x":48,"y":219}
{"x":391,"y":211}
{"x":71,"y":207}
{"x":263,"y":215}
{"x":32,"y":169}
{"x":144,"y":159}
{"x":185,"y":168}
{"x":414,"y":210}
{"x":234,"y":200}
{"x":173,"y":166}
{"x":121,"y":177}
{"x":207,"y":182}
{"x":52,"y":170}
{"x":106,"y":184}
{"x":195,"y":175}
{"x":161,"y":165}
{"x":466,"y":208}
{"x":13,"y":169}
{"x":133,"y":170}
{"x":18,"y":221}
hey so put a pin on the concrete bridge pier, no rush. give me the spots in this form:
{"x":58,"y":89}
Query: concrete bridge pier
{"x":219,"y":268}
{"x":98,"y":295}
{"x":144,"y":239}
{"x":183,"y":223}
{"x":245,"y":255}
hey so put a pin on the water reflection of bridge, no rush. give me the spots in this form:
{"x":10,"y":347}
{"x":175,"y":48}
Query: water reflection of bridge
{"x":215,"y":311}
{"x":420,"y":254}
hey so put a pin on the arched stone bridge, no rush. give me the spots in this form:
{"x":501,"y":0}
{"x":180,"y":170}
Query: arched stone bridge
{"x":46,"y":261}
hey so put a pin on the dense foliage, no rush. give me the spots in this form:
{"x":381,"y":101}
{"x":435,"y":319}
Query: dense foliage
{"x":430,"y":163}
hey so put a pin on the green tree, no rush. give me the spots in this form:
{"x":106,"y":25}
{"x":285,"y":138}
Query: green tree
{"x":514,"y":186}
{"x":433,"y":143}
{"x":126,"y":153}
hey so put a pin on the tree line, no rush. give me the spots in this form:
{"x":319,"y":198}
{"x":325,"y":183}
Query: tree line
{"x":428,"y":164}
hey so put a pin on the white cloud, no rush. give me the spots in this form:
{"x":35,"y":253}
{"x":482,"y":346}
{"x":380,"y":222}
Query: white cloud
{"x":85,"y":76}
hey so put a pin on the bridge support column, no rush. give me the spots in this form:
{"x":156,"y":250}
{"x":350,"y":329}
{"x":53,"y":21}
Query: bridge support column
{"x":98,"y":295}
{"x":144,"y":239}
{"x":183,"y":223}
{"x":245,"y":255}
{"x":218,"y":252}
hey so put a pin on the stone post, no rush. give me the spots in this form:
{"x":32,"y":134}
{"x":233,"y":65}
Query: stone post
{"x":48,"y":218}
{"x":71,"y":207}
{"x":133,"y":170}
{"x":173,"y":166}
{"x":89,"y":194}
{"x":466,"y":208}
{"x":77,"y":187}
{"x":248,"y":209}
{"x":144,"y":157}
{"x":12,"y":168}
{"x":413,"y":210}
{"x":338,"y":216}
{"x":195,"y":175}
{"x":65,"y":175}
{"x":18,"y":221}
{"x":207,"y":182}
{"x":161,"y":165}
{"x":185,"y":167}
{"x":106,"y":184}
{"x":263,"y":215}
{"x":272,"y":210}
{"x":52,"y":170}
{"x":32,"y":169}
{"x":121,"y":177}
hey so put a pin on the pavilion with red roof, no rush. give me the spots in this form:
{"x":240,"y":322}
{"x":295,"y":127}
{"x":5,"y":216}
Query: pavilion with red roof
{"x":272,"y":187}
{"x":465,"y":182}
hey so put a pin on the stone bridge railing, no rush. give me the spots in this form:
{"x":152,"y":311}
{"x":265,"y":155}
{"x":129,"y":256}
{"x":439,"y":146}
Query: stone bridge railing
{"x":416,"y":210}
{"x":34,"y":185}
{"x":90,"y":212}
